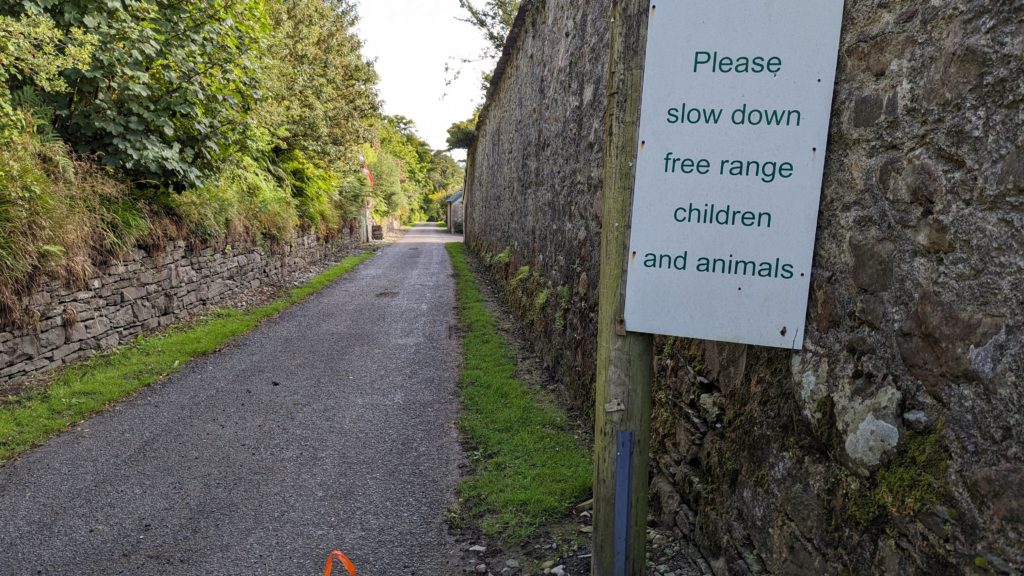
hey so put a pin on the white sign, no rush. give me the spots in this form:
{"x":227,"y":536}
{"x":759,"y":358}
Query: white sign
{"x":734,"y":122}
